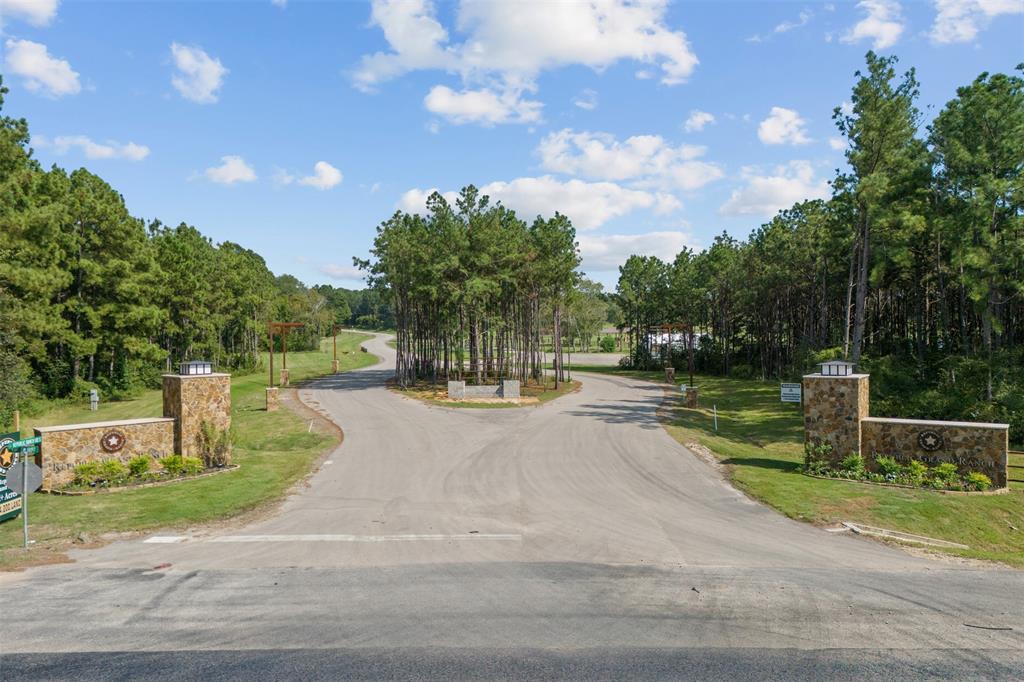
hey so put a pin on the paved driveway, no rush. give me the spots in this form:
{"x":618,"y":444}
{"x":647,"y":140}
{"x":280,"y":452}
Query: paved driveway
{"x":575,"y":539}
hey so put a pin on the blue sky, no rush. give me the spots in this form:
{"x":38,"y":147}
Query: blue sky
{"x":295,"y":127}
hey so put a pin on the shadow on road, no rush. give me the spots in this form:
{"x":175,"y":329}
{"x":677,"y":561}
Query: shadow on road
{"x":359,"y":380}
{"x":642,"y":412}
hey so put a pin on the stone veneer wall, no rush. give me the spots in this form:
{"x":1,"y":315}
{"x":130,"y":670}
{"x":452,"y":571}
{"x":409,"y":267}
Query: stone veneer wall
{"x":458,"y":390}
{"x":64,"y":447}
{"x":833,"y":409}
{"x":971,"y":446}
{"x":192,"y":400}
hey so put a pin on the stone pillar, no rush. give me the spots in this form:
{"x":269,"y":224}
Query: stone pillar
{"x":334,"y":366}
{"x":271,"y":399}
{"x":833,"y":408}
{"x":691,"y":397}
{"x":192,"y":400}
{"x":510,"y":388}
{"x":456,"y":390}
{"x":670,"y":375}
{"x":285,"y":376}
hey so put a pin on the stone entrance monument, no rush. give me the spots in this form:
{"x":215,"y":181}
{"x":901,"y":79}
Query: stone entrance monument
{"x":194,"y":396}
{"x":836,"y":404}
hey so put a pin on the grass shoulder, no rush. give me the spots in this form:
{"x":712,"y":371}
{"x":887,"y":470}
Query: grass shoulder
{"x":760,"y":442}
{"x":273,"y":450}
{"x":532,"y":395}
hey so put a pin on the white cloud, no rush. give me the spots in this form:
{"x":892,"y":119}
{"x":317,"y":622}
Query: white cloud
{"x":697,"y":120}
{"x":345,"y":272}
{"x":42,"y":73}
{"x":94,"y":150}
{"x":801,"y":21}
{"x":586,"y":100}
{"x":959,"y":21}
{"x":507,"y":45}
{"x":783,"y":126}
{"x":484,"y":106}
{"x":232,"y":169}
{"x":837,"y":143}
{"x":588,"y":204}
{"x":883,"y":24}
{"x":846,"y":108}
{"x":279,"y":3}
{"x":35,"y":12}
{"x":645,"y":159}
{"x":199,"y":76}
{"x":325,"y":176}
{"x":604,"y":253}
{"x":525,"y":38}
{"x":764,"y":195}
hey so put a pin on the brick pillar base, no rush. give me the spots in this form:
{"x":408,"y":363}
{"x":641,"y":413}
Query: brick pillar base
{"x":334,"y":366}
{"x":285,"y":377}
{"x":271,"y":399}
{"x":691,"y":397}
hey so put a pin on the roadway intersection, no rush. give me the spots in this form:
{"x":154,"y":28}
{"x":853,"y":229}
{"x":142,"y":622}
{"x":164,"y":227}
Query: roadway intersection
{"x":571,"y":540}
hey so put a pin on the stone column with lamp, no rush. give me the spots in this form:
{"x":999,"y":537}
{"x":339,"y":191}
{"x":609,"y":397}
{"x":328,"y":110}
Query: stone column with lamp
{"x":835,"y":401}
{"x":194,"y":396}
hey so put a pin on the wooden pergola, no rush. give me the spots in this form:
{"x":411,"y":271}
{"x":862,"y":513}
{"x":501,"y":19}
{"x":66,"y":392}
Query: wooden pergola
{"x":283,"y":328}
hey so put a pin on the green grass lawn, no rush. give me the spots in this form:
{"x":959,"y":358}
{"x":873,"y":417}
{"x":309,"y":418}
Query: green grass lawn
{"x":274,"y":450}
{"x":761,"y":441}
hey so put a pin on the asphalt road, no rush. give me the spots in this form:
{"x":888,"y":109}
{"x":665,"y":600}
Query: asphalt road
{"x":572,"y":540}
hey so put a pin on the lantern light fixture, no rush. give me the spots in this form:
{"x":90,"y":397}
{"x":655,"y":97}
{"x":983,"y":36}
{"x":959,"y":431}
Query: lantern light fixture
{"x":836,"y":368}
{"x":196,"y":367}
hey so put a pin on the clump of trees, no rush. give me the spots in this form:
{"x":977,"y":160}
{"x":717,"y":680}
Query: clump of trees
{"x":471,"y":287}
{"x":92,"y":296}
{"x":914,"y":266}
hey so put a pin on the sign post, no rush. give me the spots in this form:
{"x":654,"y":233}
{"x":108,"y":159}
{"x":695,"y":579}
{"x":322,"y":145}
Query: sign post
{"x":24,"y":476}
{"x":791,"y":393}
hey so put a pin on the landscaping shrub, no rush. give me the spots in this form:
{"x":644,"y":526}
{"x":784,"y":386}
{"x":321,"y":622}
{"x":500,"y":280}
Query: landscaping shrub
{"x":190,"y":466}
{"x":945,"y":475}
{"x":853,"y":463}
{"x":173,"y":464}
{"x":816,"y":457}
{"x":978,"y":481}
{"x":137,"y":466}
{"x":607,"y":344}
{"x":215,"y":446}
{"x":112,"y":471}
{"x":915,"y":472}
{"x":87,"y":473}
{"x":888,"y":467}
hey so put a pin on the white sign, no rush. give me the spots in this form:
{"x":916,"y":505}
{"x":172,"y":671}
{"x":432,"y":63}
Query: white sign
{"x":791,"y":393}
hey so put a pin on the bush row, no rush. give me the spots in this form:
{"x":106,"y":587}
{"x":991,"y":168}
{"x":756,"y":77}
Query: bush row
{"x":944,"y":476}
{"x":112,"y":472}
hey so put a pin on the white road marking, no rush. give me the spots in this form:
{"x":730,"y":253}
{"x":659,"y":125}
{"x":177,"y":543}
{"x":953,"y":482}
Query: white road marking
{"x":165,"y":539}
{"x":366,"y":538}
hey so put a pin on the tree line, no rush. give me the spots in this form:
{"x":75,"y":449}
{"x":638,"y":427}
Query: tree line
{"x":91,"y":296}
{"x":471,"y":286}
{"x":913,"y":267}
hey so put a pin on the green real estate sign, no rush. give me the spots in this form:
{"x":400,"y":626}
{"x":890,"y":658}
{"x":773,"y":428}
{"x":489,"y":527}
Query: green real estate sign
{"x":10,"y":501}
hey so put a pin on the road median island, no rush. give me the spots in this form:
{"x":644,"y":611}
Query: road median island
{"x":531,"y":395}
{"x":759,"y":447}
{"x":275,"y":450}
